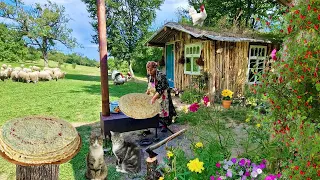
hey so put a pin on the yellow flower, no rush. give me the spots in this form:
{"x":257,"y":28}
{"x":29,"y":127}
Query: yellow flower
{"x":161,"y":178}
{"x":199,"y":145}
{"x":195,"y":165}
{"x":248,"y":120}
{"x":226,"y":93}
{"x":258,"y":125}
{"x":185,"y":109}
{"x":169,"y":154}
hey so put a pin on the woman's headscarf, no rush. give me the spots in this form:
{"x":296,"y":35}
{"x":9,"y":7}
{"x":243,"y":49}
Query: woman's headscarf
{"x":152,"y":64}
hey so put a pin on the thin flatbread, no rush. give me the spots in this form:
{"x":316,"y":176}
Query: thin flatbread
{"x":37,"y":139}
{"x":138,"y":106}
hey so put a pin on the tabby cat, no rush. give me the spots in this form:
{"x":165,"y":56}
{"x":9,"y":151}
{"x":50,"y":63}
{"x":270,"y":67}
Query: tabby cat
{"x":128,"y":154}
{"x":96,"y":166}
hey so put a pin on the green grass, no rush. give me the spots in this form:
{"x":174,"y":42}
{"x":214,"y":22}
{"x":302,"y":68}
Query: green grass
{"x":77,"y":98}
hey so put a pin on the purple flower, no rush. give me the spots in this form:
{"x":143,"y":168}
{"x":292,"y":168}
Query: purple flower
{"x":234,"y":160}
{"x":248,"y":162}
{"x":264,"y":161}
{"x":262,"y":166}
{"x":242,"y":162}
{"x":211,"y":177}
{"x":243,"y":177}
{"x":247,"y":173}
{"x":279,"y":175}
{"x":229,"y":173}
{"x":270,"y":177}
{"x":219,"y":178}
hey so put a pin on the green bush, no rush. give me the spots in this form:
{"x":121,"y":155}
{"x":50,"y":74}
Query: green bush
{"x":192,"y":95}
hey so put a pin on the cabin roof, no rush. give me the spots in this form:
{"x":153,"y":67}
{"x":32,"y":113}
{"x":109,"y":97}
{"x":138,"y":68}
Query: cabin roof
{"x":162,"y":36}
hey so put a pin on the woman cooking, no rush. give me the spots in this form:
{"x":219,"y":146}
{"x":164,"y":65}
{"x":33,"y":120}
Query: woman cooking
{"x":158,"y":88}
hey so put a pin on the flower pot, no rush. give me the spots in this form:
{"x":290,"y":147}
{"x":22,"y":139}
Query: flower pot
{"x":226,"y":103}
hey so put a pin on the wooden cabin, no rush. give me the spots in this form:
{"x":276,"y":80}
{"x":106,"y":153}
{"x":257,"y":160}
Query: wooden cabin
{"x":228,"y":59}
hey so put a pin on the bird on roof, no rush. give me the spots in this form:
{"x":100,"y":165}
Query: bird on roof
{"x":198,"y":18}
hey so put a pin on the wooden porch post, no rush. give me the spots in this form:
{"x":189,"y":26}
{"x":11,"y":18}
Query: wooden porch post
{"x":102,"y":31}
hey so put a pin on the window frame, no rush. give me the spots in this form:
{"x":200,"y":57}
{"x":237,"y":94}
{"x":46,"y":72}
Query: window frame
{"x":258,"y":59}
{"x":192,"y":57}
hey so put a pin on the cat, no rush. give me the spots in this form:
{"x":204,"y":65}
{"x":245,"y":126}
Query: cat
{"x":128,"y":154}
{"x":96,"y":166}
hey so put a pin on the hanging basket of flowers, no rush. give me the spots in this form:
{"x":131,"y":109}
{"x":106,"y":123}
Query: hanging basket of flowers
{"x":200,"y":61}
{"x":226,"y":98}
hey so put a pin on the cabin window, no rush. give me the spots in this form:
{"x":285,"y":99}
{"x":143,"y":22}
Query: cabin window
{"x":256,"y":64}
{"x":192,"y":53}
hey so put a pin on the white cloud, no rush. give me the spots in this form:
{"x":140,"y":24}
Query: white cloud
{"x":60,"y":2}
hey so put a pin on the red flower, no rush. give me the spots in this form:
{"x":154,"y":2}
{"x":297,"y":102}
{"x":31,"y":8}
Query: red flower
{"x":302,"y":173}
{"x":206,"y":100}
{"x":318,"y":172}
{"x":281,"y":30}
{"x":299,"y":97}
{"x":319,"y":17}
{"x":194,"y":107}
{"x":309,"y":22}
{"x":302,"y":16}
{"x":309,"y":7}
{"x":316,"y":27}
{"x":289,"y":29}
{"x":296,"y":168}
{"x":308,"y":163}
{"x":309,"y":178}
{"x":296,"y":11}
{"x":268,"y":23}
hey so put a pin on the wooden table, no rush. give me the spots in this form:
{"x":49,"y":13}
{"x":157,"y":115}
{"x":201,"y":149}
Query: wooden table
{"x":122,"y":123}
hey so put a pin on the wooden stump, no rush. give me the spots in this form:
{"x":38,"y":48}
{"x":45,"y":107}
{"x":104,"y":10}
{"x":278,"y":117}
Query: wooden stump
{"x":152,"y":173}
{"x":43,"y":172}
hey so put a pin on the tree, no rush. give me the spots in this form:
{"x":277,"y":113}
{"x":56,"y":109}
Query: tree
{"x":127,"y":23}
{"x":42,"y":26}
{"x":238,"y":13}
{"x":11,"y":46}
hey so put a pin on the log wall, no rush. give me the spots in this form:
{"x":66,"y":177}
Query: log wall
{"x":227,"y":70}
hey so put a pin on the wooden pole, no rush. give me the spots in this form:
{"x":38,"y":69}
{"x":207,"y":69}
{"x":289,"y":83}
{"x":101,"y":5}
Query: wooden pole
{"x":102,"y":31}
{"x":49,"y":171}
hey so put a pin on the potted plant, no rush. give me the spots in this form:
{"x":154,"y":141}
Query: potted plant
{"x":226,"y":98}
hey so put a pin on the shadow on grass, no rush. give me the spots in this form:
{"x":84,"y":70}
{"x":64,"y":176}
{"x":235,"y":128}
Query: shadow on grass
{"x":82,"y":77}
{"x":114,"y":90}
{"x":79,"y":161}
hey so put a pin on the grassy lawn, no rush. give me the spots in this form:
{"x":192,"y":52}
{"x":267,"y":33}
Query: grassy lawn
{"x":77,"y":98}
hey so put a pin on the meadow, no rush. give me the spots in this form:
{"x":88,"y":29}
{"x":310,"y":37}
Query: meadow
{"x":76,"y":99}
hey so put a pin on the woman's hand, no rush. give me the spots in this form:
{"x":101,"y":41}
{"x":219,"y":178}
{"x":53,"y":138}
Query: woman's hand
{"x":154,"y":98}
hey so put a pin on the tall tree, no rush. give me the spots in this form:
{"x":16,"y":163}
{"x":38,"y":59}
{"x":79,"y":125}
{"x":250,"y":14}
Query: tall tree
{"x":127,"y":23}
{"x":239,"y":13}
{"x":42,"y":26}
{"x":11,"y":45}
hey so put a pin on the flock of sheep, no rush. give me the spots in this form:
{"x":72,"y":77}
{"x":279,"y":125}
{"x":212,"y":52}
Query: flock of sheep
{"x":31,"y":74}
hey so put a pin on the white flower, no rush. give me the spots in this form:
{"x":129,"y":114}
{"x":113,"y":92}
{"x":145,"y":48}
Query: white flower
{"x":225,"y":167}
{"x":254,"y":174}
{"x":230,"y":163}
{"x":259,"y":171}
{"x":241,"y":173}
{"x":223,"y":177}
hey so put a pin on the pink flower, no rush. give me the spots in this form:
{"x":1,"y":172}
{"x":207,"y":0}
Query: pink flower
{"x":206,"y":100}
{"x":273,"y":54}
{"x":218,"y":165}
{"x":194,"y":107}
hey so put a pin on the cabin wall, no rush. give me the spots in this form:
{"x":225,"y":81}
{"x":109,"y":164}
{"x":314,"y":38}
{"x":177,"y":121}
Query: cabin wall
{"x":227,"y":70}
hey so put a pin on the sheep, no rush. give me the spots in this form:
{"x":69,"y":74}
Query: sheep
{"x":24,"y":76}
{"x":50,"y":72}
{"x":17,"y":69}
{"x":27,"y":70}
{"x":15,"y":75}
{"x":9,"y":71}
{"x":35,"y":68}
{"x":44,"y":75}
{"x":3,"y":74}
{"x":4,"y":66}
{"x":34,"y":76}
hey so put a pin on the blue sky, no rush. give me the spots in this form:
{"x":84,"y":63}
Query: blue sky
{"x":82,"y":29}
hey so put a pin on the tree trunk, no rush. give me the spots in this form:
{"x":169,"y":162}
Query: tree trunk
{"x":130,"y":68}
{"x":45,"y":58}
{"x":152,"y":172}
{"x":43,"y":172}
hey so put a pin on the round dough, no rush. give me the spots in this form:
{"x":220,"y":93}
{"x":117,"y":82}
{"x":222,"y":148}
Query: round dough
{"x":37,"y":139}
{"x":138,"y":106}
